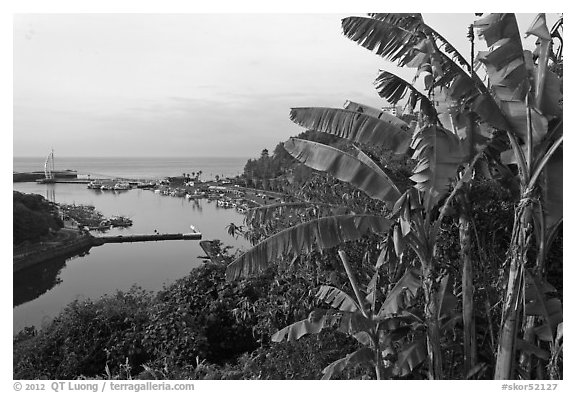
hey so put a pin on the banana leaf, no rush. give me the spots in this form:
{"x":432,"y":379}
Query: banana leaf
{"x":337,"y":298}
{"x":363,"y":355}
{"x":394,"y":88}
{"x":386,"y":38}
{"x":539,"y":304}
{"x":402,"y":294}
{"x":369,"y":110}
{"x":439,"y":154}
{"x":552,"y":189}
{"x":365,"y":159}
{"x":346,"y":167}
{"x":387,"y":131}
{"x":509,"y":67}
{"x":410,"y":357}
{"x":532,"y":349}
{"x":446,"y":298}
{"x":314,"y":324}
{"x":319,"y":234}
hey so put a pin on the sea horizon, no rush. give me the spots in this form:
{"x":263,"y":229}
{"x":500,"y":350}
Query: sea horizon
{"x":137,"y":167}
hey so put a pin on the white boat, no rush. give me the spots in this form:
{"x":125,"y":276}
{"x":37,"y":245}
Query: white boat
{"x":122,"y":186}
{"x":95,"y":185}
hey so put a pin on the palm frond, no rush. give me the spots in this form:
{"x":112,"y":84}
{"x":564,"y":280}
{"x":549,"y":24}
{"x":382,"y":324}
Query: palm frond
{"x":343,"y":166}
{"x":319,"y":234}
{"x":388,"y":131}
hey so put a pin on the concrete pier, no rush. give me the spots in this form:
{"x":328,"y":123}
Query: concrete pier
{"x":99,"y":240}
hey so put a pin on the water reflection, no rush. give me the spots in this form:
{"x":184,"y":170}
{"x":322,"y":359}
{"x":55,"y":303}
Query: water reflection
{"x":51,"y":192}
{"x":34,"y":281}
{"x":195,"y":204}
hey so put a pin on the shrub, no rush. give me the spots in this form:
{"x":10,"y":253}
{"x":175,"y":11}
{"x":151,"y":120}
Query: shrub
{"x":86,"y":337}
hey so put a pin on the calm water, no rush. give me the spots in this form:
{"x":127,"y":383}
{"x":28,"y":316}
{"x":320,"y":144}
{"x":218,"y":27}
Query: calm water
{"x":139,"y":168}
{"x":41,"y":293}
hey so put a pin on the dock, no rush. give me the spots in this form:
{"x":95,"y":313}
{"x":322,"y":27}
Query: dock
{"x":209,"y":250}
{"x":99,"y":240}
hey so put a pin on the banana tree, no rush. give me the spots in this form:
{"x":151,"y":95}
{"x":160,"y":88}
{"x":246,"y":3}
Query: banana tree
{"x":389,"y":329}
{"x":439,"y":154}
{"x":529,"y":96}
{"x":438,"y":151}
{"x":407,"y":40}
{"x":410,"y":42}
{"x":529,"y":113}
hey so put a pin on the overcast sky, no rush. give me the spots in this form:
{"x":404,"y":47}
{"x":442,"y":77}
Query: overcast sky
{"x":186,"y":84}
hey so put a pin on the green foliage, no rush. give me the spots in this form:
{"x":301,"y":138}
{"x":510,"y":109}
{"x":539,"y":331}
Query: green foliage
{"x":85,"y":337}
{"x":193,"y":317}
{"x":33,"y":217}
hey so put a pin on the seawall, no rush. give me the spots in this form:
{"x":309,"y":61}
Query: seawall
{"x":40,"y":253}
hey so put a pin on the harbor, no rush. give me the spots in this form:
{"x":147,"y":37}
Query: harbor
{"x":88,"y":270}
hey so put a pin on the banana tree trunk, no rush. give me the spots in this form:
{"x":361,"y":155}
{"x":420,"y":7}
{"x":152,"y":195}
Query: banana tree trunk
{"x":526,"y":360}
{"x":431,"y":309}
{"x":506,"y":356}
{"x":467,"y":289}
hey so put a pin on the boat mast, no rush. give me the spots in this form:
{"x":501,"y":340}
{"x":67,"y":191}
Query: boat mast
{"x":52,"y":155}
{"x":49,"y":166}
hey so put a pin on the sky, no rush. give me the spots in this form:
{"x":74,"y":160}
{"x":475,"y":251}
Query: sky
{"x":187,"y":84}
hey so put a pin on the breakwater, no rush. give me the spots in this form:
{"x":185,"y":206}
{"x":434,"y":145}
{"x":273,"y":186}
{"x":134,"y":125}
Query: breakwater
{"x":82,"y":243}
{"x":99,"y":240}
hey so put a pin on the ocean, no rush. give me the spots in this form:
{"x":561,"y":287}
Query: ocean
{"x":137,"y":167}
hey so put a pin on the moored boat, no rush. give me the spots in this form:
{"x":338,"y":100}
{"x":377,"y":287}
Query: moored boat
{"x":123,"y":185}
{"x":95,"y":185}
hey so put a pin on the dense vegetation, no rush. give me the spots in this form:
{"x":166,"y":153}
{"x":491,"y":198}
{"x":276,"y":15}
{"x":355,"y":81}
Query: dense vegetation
{"x":505,"y":127}
{"x":33,"y":217}
{"x":408,"y":251}
{"x":199,"y":320}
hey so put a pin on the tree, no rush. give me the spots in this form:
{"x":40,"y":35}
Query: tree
{"x":529,"y":113}
{"x":420,"y":210}
{"x":530,"y":98}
